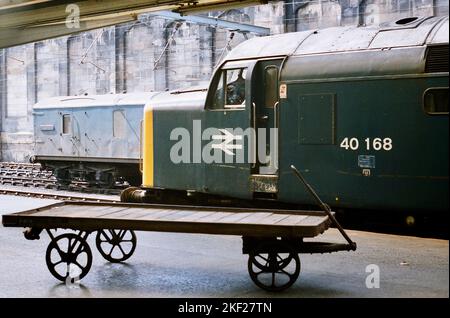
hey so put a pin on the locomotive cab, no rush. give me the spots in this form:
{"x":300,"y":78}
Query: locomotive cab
{"x":229,"y":133}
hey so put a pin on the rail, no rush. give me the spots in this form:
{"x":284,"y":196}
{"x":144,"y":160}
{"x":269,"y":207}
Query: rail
{"x":52,"y":196}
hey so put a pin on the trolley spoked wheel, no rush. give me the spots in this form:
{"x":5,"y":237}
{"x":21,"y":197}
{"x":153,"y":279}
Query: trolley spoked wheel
{"x":69,"y":257}
{"x":116,"y":245}
{"x":274,"y":266}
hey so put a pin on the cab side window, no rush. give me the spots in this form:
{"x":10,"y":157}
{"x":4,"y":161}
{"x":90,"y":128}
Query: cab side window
{"x":435,"y":101}
{"x":235,"y":92}
{"x":230,"y":91}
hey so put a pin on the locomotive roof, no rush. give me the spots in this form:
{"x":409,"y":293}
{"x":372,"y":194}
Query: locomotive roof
{"x":416,"y":31}
{"x":96,"y":100}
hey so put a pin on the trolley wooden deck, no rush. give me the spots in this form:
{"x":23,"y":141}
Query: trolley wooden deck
{"x":172,"y":218}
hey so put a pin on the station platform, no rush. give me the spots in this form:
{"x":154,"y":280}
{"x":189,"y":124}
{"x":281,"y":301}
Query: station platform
{"x":197,"y":265}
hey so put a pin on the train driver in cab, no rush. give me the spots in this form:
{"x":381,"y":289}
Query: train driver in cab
{"x":234,"y":96}
{"x":236,"y":89}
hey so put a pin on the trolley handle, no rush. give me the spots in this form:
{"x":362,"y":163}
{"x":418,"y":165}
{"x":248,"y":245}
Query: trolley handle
{"x":325,"y":207}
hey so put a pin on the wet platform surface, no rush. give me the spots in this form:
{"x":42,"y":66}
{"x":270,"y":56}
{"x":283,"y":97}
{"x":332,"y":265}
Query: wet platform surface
{"x":193,"y":265}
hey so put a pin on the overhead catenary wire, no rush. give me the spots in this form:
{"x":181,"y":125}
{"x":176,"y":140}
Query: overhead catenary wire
{"x":169,"y":42}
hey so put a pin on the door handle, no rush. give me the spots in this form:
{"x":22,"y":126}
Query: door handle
{"x":254,"y":134}
{"x":254,"y":114}
{"x":275,"y":115}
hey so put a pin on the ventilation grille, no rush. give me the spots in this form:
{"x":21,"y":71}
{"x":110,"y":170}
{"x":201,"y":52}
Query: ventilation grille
{"x":437,"y":59}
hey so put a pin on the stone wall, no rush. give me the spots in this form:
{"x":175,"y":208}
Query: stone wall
{"x":154,"y":54}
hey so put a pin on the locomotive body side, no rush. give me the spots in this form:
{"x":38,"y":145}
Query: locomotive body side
{"x":362,"y":124}
{"x":366,"y":142}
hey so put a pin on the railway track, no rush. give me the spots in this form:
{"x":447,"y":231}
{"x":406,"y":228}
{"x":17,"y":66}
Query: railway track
{"x":26,"y":174}
{"x":56,"y":196}
{"x":33,"y":175}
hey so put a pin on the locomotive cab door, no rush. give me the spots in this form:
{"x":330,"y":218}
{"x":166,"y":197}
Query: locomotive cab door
{"x":227,"y":133}
{"x":71,"y":134}
{"x":240,"y":130}
{"x":265,"y":101}
{"x":66,"y":134}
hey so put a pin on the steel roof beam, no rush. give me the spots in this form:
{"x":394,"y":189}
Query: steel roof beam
{"x":10,"y":37}
{"x":215,"y":22}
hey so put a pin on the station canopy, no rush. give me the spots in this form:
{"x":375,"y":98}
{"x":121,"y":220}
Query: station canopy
{"x":26,"y":21}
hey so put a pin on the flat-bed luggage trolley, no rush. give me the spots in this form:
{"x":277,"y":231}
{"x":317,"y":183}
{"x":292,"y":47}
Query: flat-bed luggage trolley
{"x":272,"y":238}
